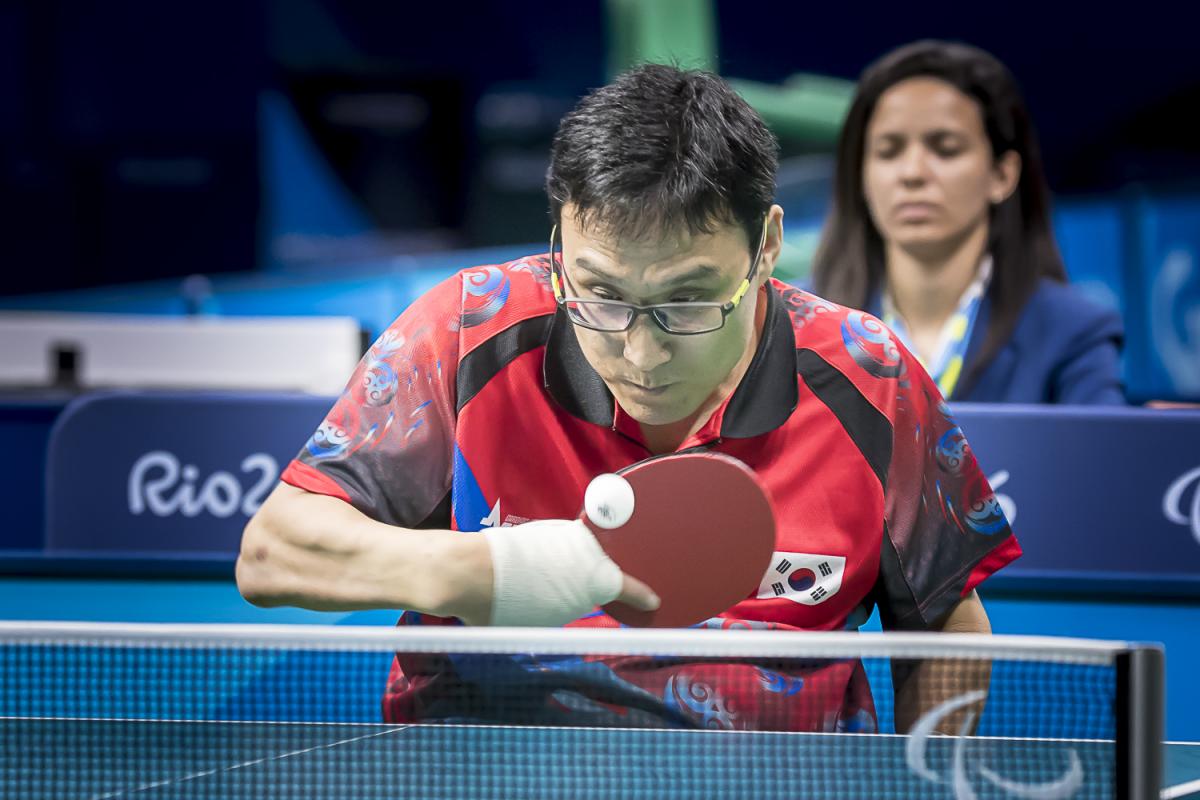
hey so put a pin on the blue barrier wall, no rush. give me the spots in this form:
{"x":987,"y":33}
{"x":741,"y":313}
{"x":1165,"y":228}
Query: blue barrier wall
{"x":174,"y":476}
{"x":25,"y":425}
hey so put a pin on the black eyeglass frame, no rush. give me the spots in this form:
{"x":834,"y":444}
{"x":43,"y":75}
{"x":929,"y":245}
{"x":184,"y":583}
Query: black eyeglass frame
{"x":653,"y":310}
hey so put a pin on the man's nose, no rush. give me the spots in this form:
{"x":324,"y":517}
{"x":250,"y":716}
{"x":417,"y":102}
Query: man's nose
{"x":645,"y":345}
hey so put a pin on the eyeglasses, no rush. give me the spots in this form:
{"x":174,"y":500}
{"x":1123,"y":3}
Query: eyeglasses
{"x":680,"y":319}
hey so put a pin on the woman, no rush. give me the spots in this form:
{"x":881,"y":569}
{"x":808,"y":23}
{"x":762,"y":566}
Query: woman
{"x":940,"y":227}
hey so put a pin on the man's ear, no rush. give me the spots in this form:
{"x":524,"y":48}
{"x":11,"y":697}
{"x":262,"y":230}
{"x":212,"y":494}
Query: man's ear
{"x":772,"y":244}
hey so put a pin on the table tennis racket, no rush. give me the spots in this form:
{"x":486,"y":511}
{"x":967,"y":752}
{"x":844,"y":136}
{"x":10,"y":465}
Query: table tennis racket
{"x":698,"y":528}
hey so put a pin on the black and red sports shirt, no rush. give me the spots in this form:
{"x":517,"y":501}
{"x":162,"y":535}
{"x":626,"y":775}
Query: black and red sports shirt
{"x":477,"y":408}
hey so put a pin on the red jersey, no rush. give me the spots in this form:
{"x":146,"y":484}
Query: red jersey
{"x":477,"y":408}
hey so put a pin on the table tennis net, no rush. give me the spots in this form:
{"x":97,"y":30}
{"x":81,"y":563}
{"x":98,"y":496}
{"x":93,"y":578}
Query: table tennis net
{"x":306,"y":711}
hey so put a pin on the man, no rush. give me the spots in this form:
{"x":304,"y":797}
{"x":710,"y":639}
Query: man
{"x":493,"y":400}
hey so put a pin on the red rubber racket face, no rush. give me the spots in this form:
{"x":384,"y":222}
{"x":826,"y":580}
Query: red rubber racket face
{"x":701,"y":535}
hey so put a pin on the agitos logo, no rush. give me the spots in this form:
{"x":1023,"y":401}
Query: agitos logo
{"x":1176,"y":505}
{"x":968,"y":769}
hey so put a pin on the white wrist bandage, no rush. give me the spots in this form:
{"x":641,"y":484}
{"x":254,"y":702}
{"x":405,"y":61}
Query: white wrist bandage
{"x":548,"y":573}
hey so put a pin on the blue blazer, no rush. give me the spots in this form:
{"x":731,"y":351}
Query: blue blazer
{"x":1065,"y":349}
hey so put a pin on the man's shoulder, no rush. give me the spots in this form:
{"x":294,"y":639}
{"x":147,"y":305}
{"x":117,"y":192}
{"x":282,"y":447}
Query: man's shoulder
{"x":487,"y":289}
{"x":841,"y":346}
{"x":522,"y":280}
{"x":491,"y":298}
{"x":821,"y":324}
{"x":497,"y":297}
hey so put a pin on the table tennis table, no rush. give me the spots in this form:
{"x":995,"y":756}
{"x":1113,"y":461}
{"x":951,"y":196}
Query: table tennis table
{"x":96,"y":759}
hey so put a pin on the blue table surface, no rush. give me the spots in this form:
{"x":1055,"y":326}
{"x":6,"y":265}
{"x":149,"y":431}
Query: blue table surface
{"x":151,"y":759}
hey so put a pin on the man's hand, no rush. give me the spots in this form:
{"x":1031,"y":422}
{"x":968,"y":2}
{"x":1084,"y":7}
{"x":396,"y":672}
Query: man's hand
{"x":551,"y":572}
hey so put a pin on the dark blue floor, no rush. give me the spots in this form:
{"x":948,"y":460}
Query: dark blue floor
{"x":94,"y":759}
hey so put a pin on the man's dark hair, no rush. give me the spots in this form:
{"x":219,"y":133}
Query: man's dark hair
{"x":660,"y":149}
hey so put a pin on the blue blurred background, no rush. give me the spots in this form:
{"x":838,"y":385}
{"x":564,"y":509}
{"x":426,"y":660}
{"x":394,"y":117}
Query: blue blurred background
{"x":295,"y":158}
{"x":309,"y":155}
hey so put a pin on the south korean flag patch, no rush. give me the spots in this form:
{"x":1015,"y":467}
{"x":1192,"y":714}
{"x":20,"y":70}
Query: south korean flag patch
{"x":803,"y":578}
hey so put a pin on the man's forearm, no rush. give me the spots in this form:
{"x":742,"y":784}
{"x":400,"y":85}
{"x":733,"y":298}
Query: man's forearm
{"x":922,"y":685}
{"x":318,"y":552}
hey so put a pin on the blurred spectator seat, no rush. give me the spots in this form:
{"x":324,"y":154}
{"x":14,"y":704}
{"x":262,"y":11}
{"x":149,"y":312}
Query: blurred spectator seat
{"x":166,"y":480}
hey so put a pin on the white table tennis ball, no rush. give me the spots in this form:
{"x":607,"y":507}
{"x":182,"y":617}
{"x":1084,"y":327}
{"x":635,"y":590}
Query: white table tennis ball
{"x":608,"y":501}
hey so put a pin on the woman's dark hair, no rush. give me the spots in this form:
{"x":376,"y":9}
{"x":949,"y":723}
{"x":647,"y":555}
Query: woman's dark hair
{"x":849,"y":263}
{"x":659,"y":149}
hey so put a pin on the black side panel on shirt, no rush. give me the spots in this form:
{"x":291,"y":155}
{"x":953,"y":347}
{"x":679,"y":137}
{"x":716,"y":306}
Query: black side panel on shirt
{"x":439,"y":518}
{"x":868,"y":429}
{"x":485,"y":361}
{"x":898,"y":610}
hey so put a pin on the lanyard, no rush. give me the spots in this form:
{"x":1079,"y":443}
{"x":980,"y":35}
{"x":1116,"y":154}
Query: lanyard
{"x":945,"y":367}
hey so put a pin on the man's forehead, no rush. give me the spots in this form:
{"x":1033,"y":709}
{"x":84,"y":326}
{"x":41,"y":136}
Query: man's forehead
{"x":653,"y":244}
{"x":658,"y":264}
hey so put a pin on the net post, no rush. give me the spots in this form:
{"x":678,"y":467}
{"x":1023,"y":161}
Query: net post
{"x":1139,"y":715}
